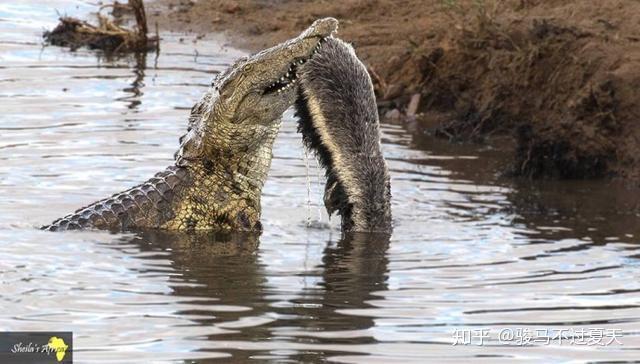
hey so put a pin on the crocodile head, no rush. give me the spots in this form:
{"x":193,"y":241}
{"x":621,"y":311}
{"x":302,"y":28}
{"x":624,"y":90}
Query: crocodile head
{"x":242,"y":110}
{"x":339,"y":121}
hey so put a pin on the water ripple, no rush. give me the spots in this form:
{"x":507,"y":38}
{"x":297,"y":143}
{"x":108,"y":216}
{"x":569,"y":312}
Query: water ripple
{"x":470,"y":251}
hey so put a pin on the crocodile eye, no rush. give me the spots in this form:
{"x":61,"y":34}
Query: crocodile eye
{"x":247,"y":68}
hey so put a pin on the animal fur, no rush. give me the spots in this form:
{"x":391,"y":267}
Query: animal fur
{"x":339,"y":121}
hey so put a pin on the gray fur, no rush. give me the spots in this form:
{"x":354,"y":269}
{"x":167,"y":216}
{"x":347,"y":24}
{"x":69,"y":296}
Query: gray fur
{"x":339,"y":120}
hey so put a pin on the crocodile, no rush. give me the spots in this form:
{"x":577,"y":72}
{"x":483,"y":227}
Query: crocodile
{"x":338,"y":119}
{"x":219,"y":170}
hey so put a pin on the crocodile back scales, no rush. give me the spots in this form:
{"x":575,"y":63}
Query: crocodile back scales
{"x":146,"y":205}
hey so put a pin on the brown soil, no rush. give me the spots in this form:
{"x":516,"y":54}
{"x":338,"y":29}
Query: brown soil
{"x":560,"y":76}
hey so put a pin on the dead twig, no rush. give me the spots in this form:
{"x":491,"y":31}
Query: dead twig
{"x":107,"y":35}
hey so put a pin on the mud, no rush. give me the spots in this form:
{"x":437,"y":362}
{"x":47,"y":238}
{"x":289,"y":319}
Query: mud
{"x":557,"y":77}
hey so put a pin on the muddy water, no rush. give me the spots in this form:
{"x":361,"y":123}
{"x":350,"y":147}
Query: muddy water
{"x":478,"y":268}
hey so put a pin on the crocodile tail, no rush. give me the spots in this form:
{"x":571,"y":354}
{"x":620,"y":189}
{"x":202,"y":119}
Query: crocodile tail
{"x":147,"y":205}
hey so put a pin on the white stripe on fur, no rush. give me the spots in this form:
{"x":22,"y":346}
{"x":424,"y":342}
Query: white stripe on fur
{"x":346,"y":178}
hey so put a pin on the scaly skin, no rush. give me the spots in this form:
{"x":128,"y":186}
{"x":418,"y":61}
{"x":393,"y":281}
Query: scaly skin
{"x":225,"y":155}
{"x":194,"y":197}
{"x":148,"y":204}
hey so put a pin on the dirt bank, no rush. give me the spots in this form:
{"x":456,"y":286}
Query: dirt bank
{"x":561,"y":77}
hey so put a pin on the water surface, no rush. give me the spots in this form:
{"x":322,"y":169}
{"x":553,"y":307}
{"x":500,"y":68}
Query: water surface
{"x":471,"y":254}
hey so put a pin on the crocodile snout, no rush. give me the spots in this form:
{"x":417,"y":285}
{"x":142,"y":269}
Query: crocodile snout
{"x":322,"y":28}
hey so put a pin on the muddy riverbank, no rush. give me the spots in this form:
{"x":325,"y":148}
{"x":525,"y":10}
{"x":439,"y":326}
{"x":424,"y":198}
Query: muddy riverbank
{"x":470,"y":254}
{"x":558,"y":78}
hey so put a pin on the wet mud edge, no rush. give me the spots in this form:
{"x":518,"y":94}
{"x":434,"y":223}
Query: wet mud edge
{"x":557,"y":78}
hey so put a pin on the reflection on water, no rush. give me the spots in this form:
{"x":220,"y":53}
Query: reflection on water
{"x":471,"y":253}
{"x":138,"y":82}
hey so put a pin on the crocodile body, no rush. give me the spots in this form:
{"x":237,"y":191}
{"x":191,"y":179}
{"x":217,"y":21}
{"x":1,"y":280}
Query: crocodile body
{"x":179,"y":198}
{"x":224,"y":157}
